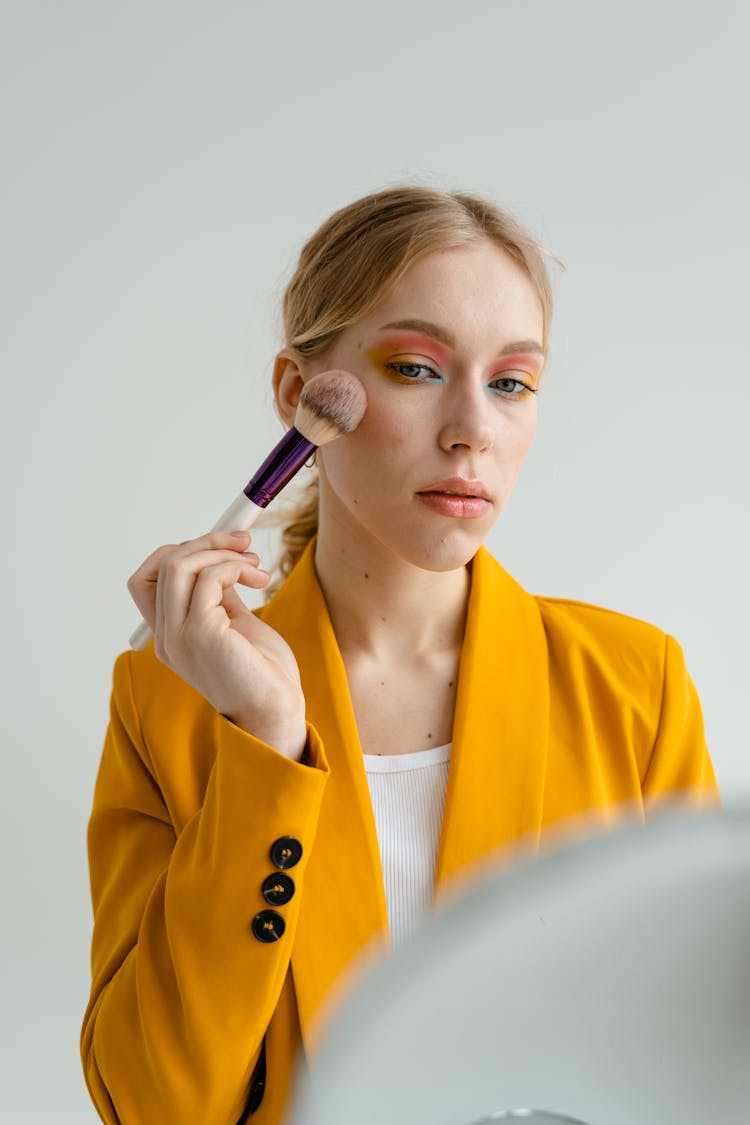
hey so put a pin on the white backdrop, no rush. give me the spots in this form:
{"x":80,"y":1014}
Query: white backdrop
{"x":164,"y":161}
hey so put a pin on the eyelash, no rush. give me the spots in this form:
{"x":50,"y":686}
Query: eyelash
{"x":526,"y":389}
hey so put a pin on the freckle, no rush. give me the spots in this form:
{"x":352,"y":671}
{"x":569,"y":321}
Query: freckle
{"x":450,"y":683}
{"x":366,"y":575}
{"x":382,"y":683}
{"x":383,"y":619}
{"x":355,"y":501}
{"x":429,"y":735}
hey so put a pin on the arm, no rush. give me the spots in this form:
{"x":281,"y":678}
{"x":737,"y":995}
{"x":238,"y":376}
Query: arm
{"x":182,"y":990}
{"x":680,"y":764}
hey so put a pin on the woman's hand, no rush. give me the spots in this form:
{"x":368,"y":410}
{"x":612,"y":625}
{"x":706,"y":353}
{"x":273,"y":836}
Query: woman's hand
{"x":204,"y":632}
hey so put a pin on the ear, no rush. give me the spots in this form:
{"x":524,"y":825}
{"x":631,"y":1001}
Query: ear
{"x":288,"y":380}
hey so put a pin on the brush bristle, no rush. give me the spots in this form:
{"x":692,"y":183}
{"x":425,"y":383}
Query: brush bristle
{"x":331,"y":404}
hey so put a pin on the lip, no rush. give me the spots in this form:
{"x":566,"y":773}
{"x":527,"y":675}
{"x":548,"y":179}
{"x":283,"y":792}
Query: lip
{"x":459,"y":486}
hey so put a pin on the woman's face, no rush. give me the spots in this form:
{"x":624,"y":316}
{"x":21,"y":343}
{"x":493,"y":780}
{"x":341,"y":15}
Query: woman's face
{"x":450,"y":361}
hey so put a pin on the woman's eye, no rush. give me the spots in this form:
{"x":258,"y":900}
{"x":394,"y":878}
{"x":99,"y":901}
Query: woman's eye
{"x":414,"y":372}
{"x":511,"y":388}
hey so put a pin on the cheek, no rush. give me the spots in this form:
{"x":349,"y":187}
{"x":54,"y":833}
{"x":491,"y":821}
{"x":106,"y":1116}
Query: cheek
{"x":518,"y":441}
{"x":380,"y":437}
{"x":380,"y":449}
{"x":527,"y":435}
{"x":386,"y":419}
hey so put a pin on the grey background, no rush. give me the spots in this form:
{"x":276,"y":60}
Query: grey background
{"x":163,"y":162}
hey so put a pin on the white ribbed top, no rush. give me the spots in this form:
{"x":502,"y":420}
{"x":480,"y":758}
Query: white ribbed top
{"x":408,"y":794}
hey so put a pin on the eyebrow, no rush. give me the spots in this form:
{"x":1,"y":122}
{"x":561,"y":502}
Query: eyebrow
{"x":445,"y":337}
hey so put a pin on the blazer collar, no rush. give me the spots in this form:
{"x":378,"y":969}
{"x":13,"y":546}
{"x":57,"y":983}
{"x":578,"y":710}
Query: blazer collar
{"x":495,"y":781}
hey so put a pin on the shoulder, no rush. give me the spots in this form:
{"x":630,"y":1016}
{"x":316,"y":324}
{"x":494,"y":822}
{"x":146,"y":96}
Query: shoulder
{"x":630,"y":679}
{"x":572,"y":625}
{"x":603,"y":637}
{"x":580,"y":620}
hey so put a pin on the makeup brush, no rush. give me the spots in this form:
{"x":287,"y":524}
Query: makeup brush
{"x":331,"y":404}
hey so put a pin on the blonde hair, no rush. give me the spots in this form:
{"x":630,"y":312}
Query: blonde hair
{"x":354,"y":259}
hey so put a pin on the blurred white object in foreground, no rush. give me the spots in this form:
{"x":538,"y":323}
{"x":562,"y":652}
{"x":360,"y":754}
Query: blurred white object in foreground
{"x":607,"y":982}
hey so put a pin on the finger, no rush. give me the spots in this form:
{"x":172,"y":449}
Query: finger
{"x":233,"y":603}
{"x":149,"y":568}
{"x":212,"y":540}
{"x":142,"y":583}
{"x":177,"y":577}
{"x":263,"y":638}
{"x":212,"y":585}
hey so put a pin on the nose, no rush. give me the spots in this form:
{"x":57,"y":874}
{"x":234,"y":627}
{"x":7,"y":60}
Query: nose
{"x":467,"y":421}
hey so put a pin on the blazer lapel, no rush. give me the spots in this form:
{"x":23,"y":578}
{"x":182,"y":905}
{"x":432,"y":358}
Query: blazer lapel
{"x":343,"y":911}
{"x":501,"y":726}
{"x":495,"y":781}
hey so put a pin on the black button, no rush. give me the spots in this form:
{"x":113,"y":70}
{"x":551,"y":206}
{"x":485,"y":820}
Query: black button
{"x":277,"y":889}
{"x":286,"y":852}
{"x":268,"y":926}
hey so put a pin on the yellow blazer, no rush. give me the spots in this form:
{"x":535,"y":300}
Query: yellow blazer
{"x":563,"y":709}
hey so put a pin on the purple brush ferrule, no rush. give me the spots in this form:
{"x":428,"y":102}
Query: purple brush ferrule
{"x":284,"y":460}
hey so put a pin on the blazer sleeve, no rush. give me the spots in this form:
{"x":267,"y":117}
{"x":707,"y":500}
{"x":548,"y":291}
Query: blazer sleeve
{"x":182,"y":990}
{"x":680,"y":764}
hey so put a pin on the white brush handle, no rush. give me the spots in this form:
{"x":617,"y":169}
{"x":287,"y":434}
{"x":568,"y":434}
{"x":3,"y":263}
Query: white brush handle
{"x":239,"y":516}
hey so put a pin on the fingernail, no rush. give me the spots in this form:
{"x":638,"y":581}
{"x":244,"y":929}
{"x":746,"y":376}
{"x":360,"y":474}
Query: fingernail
{"x":239,"y":534}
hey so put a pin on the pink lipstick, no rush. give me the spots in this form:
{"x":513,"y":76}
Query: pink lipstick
{"x":456,"y":497}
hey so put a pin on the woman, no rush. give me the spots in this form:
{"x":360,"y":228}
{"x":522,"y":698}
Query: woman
{"x":245,"y":845}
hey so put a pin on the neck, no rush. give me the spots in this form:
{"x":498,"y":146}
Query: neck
{"x":386,"y":608}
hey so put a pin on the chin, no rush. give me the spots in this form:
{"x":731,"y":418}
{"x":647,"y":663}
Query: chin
{"x":449,"y":552}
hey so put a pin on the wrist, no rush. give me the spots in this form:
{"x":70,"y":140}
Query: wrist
{"x":291,"y":741}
